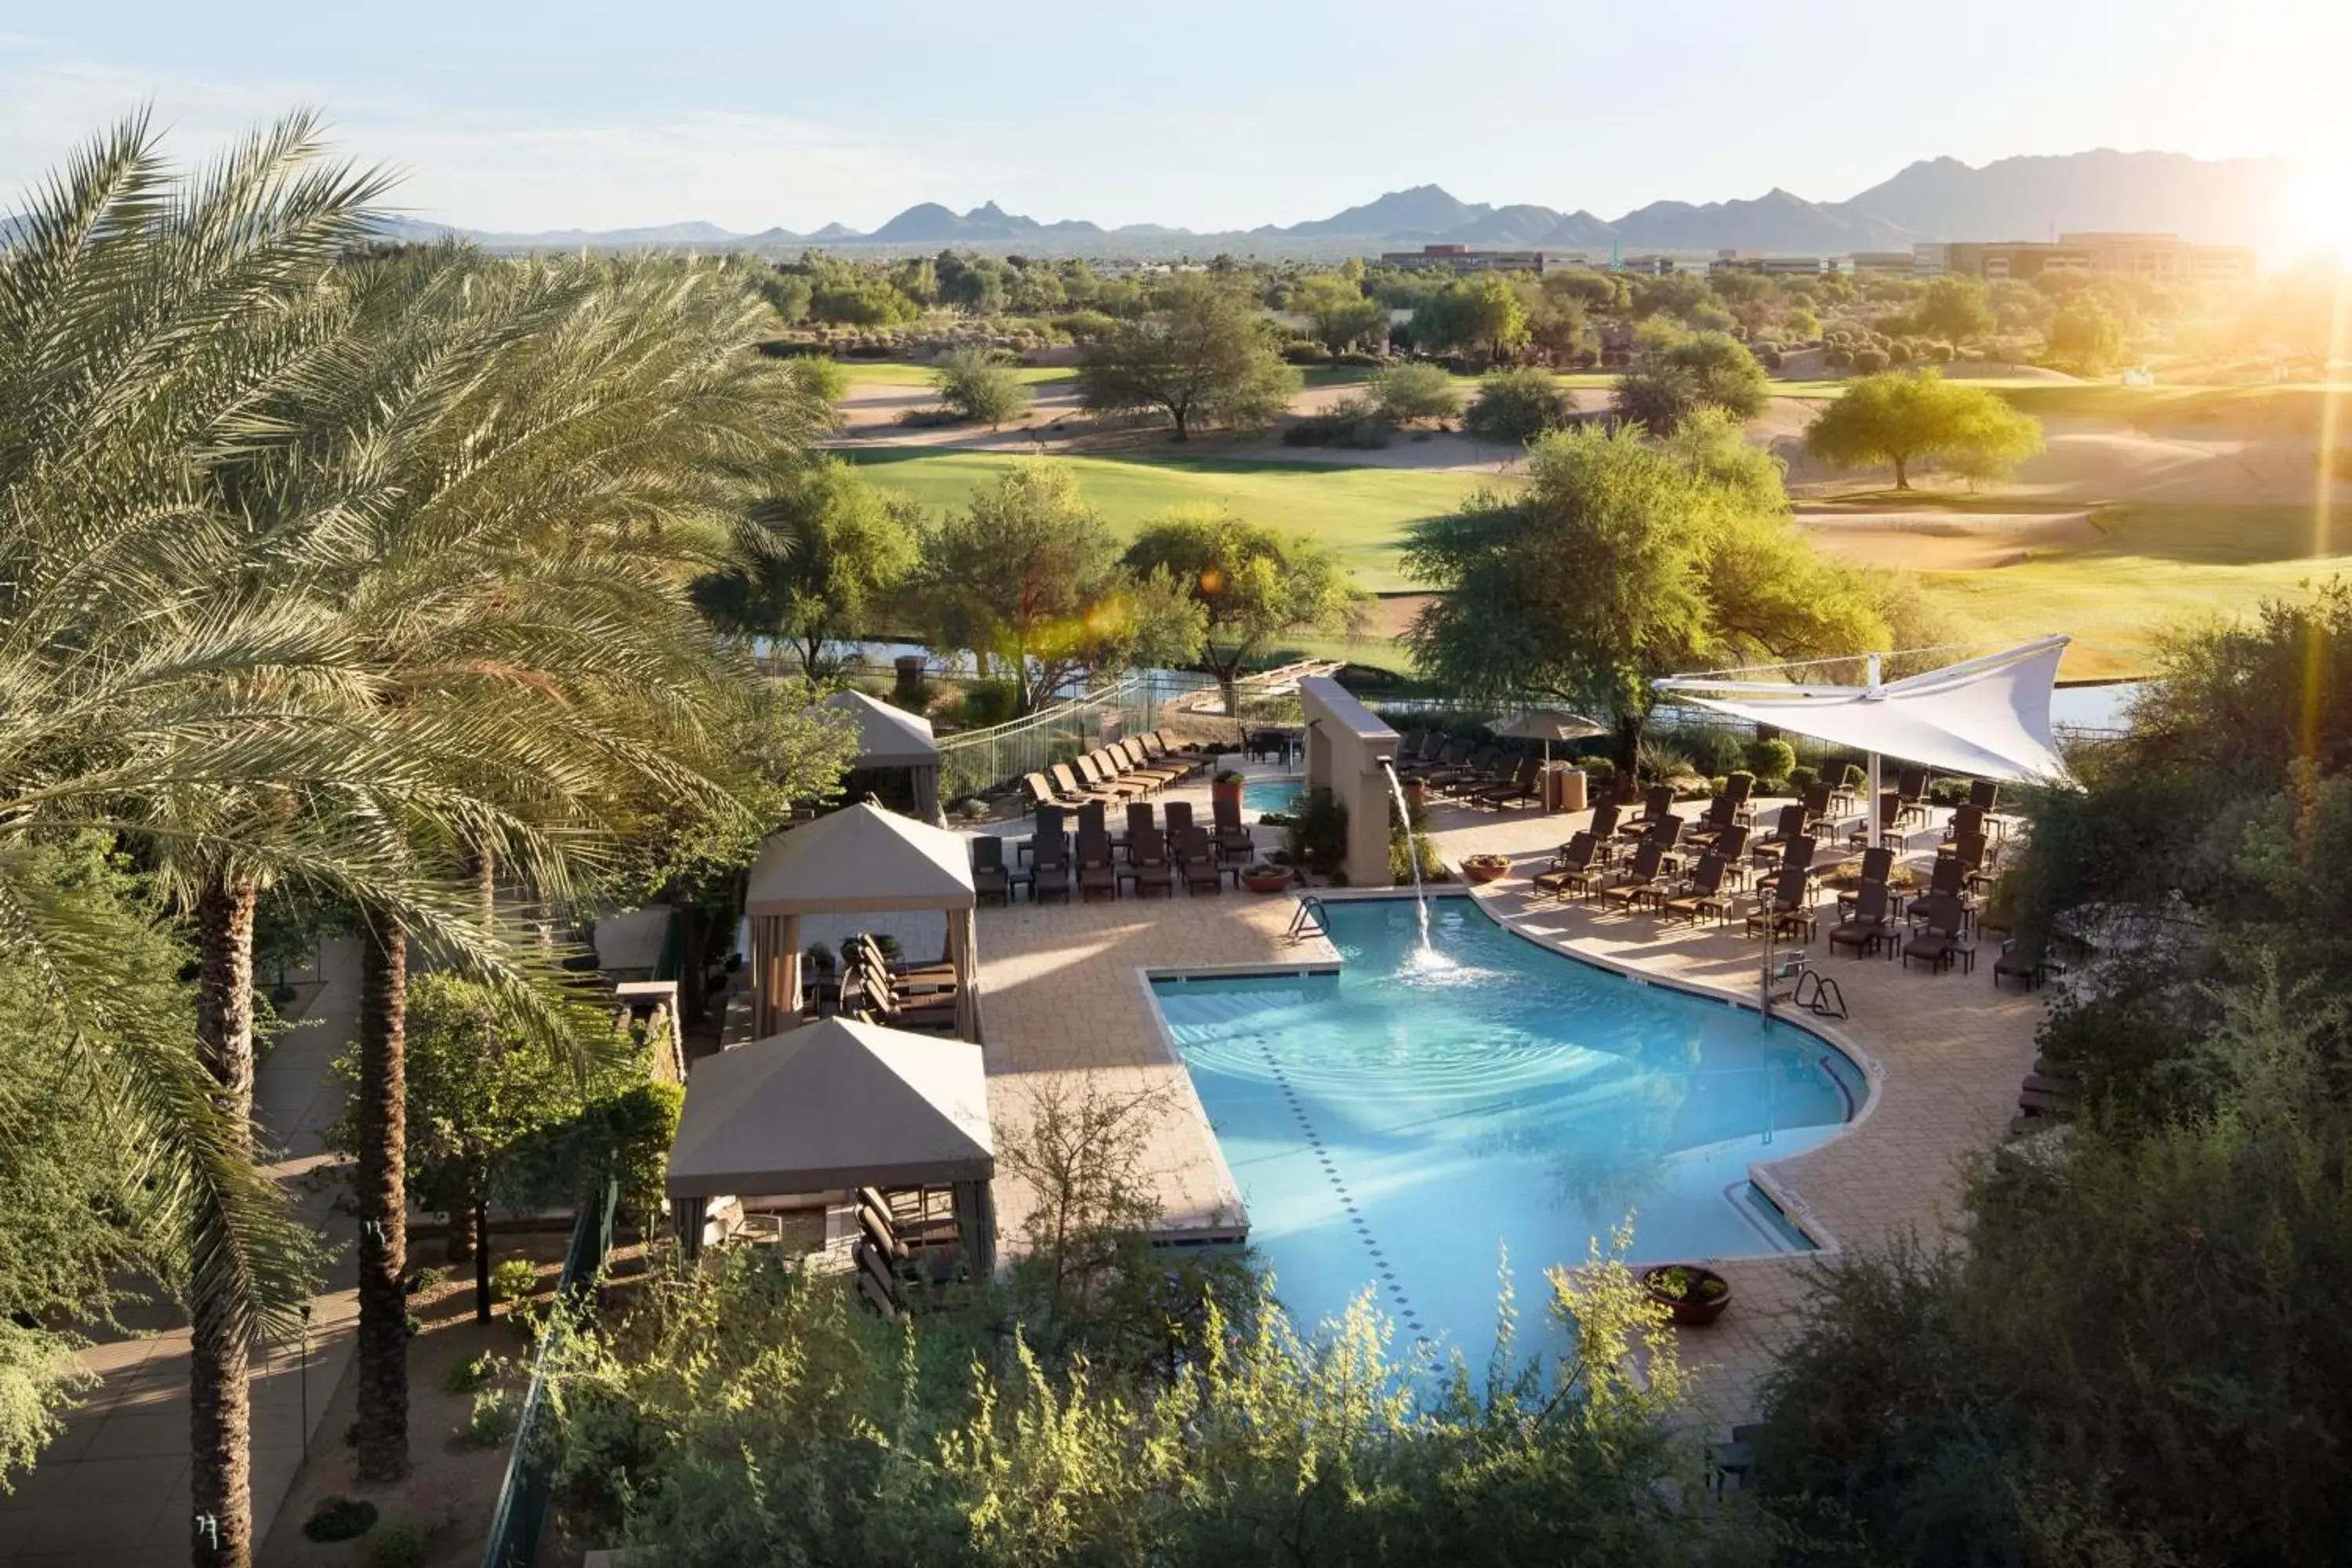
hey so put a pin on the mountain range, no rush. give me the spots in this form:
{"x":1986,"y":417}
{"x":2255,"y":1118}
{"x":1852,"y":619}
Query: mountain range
{"x":2229,"y":201}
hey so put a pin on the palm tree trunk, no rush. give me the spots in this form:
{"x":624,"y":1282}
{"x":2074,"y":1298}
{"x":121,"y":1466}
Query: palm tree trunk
{"x":383,"y":1425}
{"x":220,"y":1436}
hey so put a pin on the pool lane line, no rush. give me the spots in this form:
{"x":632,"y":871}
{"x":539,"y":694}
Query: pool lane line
{"x":1407,"y":1314}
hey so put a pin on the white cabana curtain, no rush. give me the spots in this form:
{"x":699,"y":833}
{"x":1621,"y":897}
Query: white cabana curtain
{"x":1988,"y":718}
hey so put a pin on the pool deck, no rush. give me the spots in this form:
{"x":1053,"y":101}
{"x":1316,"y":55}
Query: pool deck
{"x":1063,"y":994}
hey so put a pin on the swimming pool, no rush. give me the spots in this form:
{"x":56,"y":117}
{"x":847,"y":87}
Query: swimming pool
{"x":1399,"y":1128}
{"x":1262,"y":796}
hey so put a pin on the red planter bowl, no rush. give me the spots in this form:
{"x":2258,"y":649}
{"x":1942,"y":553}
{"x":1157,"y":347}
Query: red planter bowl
{"x":1476,"y":870}
{"x":1268,"y":882}
{"x":1689,"y":1312}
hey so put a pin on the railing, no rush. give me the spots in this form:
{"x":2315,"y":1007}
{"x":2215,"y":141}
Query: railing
{"x":984,"y":762}
{"x":524,"y":1493}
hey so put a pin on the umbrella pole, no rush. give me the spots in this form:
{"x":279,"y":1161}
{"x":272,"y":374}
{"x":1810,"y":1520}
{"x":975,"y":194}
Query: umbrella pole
{"x":1877,"y":817}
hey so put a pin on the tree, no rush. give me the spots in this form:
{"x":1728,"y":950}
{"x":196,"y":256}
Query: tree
{"x":1920,"y":417}
{"x":1343,"y":319}
{"x":1705,"y":370}
{"x":1483,"y":312}
{"x":2086,"y":336}
{"x":1030,"y":575}
{"x":1407,"y":392}
{"x":1253,"y":584}
{"x":1196,"y":354}
{"x":815,"y":561}
{"x":1620,"y":561}
{"x":973,"y":383}
{"x":819,"y":376}
{"x":1956,"y":308}
{"x":1558,"y":325}
{"x":1515,"y":406}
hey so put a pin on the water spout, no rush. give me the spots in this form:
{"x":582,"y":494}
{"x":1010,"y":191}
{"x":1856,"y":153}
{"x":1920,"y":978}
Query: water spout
{"x":1413,"y":856}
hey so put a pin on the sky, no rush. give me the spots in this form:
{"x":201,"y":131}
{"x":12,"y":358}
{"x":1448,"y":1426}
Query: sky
{"x":1211,"y":115}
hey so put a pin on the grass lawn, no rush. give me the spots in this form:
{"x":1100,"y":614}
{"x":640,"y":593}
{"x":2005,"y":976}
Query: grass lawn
{"x":1361,"y":514}
{"x":903,"y":373}
{"x":2158,"y":567}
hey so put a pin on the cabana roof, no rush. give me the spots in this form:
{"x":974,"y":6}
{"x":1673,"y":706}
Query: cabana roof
{"x":887,"y":737}
{"x":1988,"y":718}
{"x":862,"y":857}
{"x":834,"y":1104}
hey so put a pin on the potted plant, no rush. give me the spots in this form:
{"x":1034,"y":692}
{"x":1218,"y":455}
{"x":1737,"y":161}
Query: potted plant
{"x":1226,"y":788}
{"x":820,"y":958}
{"x":1416,"y":795}
{"x":1484,"y":868}
{"x":1263,"y":876}
{"x":1695,"y":1296}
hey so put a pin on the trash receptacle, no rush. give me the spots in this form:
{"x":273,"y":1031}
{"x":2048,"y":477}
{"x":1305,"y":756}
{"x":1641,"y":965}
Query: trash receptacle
{"x":1567,"y":789}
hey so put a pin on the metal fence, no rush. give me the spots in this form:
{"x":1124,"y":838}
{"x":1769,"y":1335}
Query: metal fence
{"x":987,"y":762}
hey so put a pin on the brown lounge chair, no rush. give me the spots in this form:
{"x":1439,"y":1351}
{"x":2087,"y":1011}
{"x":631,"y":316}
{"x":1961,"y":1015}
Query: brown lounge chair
{"x":1656,"y":806}
{"x":1101,"y":777}
{"x":1233,"y":837}
{"x":1526,"y":784}
{"x":1049,"y":856}
{"x":1939,"y":944}
{"x":1705,"y":896}
{"x":1788,"y":827}
{"x":1878,"y":866}
{"x":1786,"y":911}
{"x":1867,"y":926}
{"x":1796,"y":865}
{"x":1096,"y":872}
{"x":991,"y":877}
{"x":1066,"y":778}
{"x":1147,"y":857}
{"x":1641,"y":879}
{"x":1576,"y":867}
{"x":1198,"y":858}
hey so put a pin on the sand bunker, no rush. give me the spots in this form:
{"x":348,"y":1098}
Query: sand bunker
{"x":1945,"y":540}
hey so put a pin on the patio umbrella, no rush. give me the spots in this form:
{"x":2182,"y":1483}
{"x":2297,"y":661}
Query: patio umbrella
{"x":1549,"y":724}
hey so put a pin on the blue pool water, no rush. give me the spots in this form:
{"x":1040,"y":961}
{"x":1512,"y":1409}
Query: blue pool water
{"x":1398,"y":1127}
{"x":1271,"y":794}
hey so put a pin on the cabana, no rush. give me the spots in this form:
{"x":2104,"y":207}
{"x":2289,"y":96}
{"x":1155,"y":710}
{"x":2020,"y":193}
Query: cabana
{"x":857,"y":861}
{"x":834,"y":1107}
{"x":893,"y":739}
{"x":1988,"y":718}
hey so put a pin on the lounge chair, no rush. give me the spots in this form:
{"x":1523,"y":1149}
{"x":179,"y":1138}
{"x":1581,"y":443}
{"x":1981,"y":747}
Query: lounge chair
{"x":1096,"y":872}
{"x":1047,"y":822}
{"x":1943,"y":917}
{"x":1731,"y":844}
{"x":1796,"y":866}
{"x":1233,"y":837}
{"x":1605,"y":817}
{"x":1818,"y":805}
{"x":1139,"y":820}
{"x":1162,"y":755}
{"x":1878,"y":866}
{"x":1965,"y":819}
{"x":1786,"y":911}
{"x":1475,"y":774}
{"x":1094,"y":817}
{"x":1704,"y":895}
{"x":1786,"y":829}
{"x":1097,"y":770}
{"x":1577,"y":867}
{"x":1066,"y":778}
{"x":1850,"y":781}
{"x":2014,"y":963}
{"x":1043,"y":793}
{"x":1640,"y":879}
{"x":1180,"y":817}
{"x":1890,"y":819}
{"x":1198,"y":858}
{"x":1450,"y":756}
{"x":1656,"y":806}
{"x":991,"y":877}
{"x":1524,"y":783}
{"x":1141,"y":764}
{"x":1050,"y":866}
{"x":1911,"y":783}
{"x":1866,"y":927}
{"x":1147,"y":862}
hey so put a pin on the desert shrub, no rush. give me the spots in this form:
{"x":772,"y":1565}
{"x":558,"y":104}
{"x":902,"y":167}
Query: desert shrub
{"x":979,"y":386}
{"x":1598,"y":770}
{"x":1350,"y":422}
{"x":928,"y":418}
{"x":1948,"y":792}
{"x":1407,"y":392}
{"x":1303,"y":352}
{"x":1517,"y":407}
{"x":1942,"y":354}
{"x":400,"y":1544}
{"x":1771,"y":759}
{"x":1838,"y":356}
{"x":1713,"y":752}
{"x":1899,"y":355}
{"x":514,"y":1279}
{"x":1798,"y":780}
{"x":1320,"y":831}
{"x":819,"y":376}
{"x":1656,"y":762}
{"x":1870,"y":361}
{"x":341,"y":1519}
{"x":1771,"y":357}
{"x":489,"y":1422}
{"x":988,"y":702}
{"x":1356,"y":357}
{"x":427,"y":1278}
{"x":471,"y":1374}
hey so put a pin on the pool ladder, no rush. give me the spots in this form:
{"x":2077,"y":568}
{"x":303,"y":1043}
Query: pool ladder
{"x":1312,"y":920}
{"x":1826,"y":1001}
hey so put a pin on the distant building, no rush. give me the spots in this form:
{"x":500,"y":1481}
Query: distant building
{"x":1451,"y":258}
{"x":1869,"y":263}
{"x":1660,"y":266}
{"x":2158,"y":257}
{"x":1771,"y":266}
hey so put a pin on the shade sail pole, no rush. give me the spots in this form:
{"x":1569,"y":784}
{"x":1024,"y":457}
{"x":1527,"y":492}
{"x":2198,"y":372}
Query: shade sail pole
{"x":1876,"y":818}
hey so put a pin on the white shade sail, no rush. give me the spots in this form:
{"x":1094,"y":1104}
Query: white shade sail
{"x":837,"y":1104}
{"x":861,"y":858}
{"x":887,"y":737}
{"x":1988,"y":718}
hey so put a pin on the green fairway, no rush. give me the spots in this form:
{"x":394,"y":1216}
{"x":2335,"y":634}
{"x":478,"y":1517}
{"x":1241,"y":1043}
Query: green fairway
{"x":902,"y":372}
{"x":1360,"y":512}
{"x":2158,"y":567}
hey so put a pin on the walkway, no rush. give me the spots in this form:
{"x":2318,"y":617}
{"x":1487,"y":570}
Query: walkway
{"x":114,"y":1487}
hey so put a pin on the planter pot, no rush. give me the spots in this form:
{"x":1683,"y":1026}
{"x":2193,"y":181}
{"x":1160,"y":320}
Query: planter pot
{"x":1273,"y":881}
{"x":1226,"y":795}
{"x":1476,"y":870}
{"x":1416,"y":793}
{"x":1689,"y":1311}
